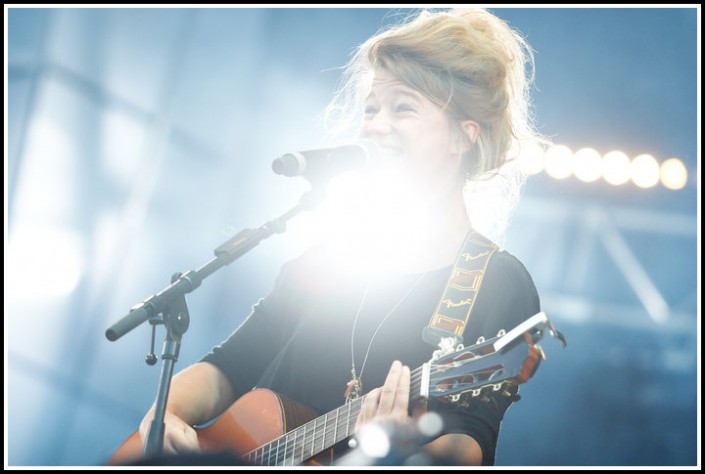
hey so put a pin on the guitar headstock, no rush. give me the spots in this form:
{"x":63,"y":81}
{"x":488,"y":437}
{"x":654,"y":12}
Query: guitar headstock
{"x":510,"y":357}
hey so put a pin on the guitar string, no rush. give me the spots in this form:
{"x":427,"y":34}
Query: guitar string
{"x":353,"y":410}
{"x":413,"y":383}
{"x":356,"y":379}
{"x":301,"y":445}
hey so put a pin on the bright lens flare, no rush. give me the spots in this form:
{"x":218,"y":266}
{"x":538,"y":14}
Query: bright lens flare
{"x":588,"y":165}
{"x":645,"y":171}
{"x":44,"y":263}
{"x":374,"y":440}
{"x":674,"y":175}
{"x":559,"y":162}
{"x":531,"y":158}
{"x":616,"y":167}
{"x":375,"y":220}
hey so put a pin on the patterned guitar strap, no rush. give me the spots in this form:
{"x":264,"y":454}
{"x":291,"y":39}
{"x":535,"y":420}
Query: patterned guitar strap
{"x":453,"y":311}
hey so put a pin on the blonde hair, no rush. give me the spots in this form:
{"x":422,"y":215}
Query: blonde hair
{"x":467,"y":61}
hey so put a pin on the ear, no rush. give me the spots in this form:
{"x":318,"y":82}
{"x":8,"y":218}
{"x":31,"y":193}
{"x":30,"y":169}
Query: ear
{"x":468,"y":132}
{"x":471,"y":129}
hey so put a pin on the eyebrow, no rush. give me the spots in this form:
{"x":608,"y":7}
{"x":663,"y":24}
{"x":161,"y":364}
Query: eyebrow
{"x":398,"y":90}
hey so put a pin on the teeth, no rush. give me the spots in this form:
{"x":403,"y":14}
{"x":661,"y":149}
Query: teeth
{"x":393,"y":152}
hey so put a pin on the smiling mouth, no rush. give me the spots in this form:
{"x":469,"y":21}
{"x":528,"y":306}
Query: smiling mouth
{"x":392,"y":152}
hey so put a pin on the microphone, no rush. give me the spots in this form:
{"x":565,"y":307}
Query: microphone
{"x":326,"y":162}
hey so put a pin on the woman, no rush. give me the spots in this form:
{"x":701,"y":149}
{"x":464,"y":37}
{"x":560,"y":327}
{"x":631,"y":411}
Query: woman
{"x":444,"y":95}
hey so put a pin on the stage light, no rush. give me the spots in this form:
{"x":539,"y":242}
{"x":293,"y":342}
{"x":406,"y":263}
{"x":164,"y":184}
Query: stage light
{"x":588,"y":165}
{"x":616,"y":167}
{"x":45,"y":258}
{"x":645,"y":171}
{"x":375,"y":219}
{"x":674,"y":175}
{"x":430,"y":424}
{"x":531,"y":158}
{"x":48,"y":189}
{"x":121,"y":146}
{"x":374,"y":440}
{"x":558,"y":161}
{"x":45,"y":262}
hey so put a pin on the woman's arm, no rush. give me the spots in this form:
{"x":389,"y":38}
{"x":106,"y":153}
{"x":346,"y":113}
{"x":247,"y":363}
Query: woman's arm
{"x":197,"y":394}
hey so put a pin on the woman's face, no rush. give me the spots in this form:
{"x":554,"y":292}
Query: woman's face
{"x":409,"y":126}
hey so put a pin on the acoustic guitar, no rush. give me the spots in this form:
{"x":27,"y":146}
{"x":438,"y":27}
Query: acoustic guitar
{"x":264,"y":428}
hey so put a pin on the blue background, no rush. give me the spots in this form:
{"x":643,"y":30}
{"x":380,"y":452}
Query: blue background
{"x":138,"y":140}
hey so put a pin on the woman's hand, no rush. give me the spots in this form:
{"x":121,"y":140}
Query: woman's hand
{"x":389,"y":402}
{"x":179,"y":436}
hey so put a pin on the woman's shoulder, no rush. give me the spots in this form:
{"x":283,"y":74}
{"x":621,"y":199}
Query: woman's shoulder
{"x":507,"y":296}
{"x":502,"y":264}
{"x":313,"y":271}
{"x":506,"y":265}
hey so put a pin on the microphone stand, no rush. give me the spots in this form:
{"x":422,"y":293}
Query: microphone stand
{"x":169,"y":307}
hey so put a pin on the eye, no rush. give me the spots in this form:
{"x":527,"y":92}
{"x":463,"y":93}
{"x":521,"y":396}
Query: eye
{"x":403,"y":107}
{"x":370,"y":110}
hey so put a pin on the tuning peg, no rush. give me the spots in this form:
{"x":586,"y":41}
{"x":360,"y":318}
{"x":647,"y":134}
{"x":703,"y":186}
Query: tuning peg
{"x":541,"y":352}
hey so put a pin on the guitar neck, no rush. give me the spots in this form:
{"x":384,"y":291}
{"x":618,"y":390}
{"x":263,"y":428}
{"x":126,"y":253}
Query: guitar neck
{"x":314,"y":437}
{"x":512,"y":357}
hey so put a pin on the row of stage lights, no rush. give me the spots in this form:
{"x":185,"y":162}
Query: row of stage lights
{"x":615,"y":167}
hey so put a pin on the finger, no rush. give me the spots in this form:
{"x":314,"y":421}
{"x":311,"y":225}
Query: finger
{"x":180,"y":439}
{"x":369,"y":408}
{"x":389,"y":389}
{"x":187,"y":440}
{"x":170,"y":442}
{"x":419,"y":407}
{"x":169,"y":448}
{"x":400,"y":410}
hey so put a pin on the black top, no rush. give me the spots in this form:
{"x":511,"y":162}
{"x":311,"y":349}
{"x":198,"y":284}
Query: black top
{"x":297,"y":340}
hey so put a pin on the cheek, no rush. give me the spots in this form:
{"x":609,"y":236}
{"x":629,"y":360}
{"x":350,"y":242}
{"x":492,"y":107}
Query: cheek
{"x":441,"y":149}
{"x":436,"y":165}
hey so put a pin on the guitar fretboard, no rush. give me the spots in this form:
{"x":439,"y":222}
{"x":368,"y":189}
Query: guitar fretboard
{"x":310,"y":439}
{"x":468,"y":369}
{"x":319,"y":434}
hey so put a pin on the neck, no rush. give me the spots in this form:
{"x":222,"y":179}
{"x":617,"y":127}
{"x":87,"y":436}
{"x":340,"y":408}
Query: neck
{"x":439,"y":232}
{"x":408,"y":233}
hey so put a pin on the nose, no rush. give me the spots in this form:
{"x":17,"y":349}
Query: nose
{"x":377,"y":125}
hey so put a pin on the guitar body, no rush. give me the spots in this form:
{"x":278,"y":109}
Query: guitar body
{"x":253,"y":420}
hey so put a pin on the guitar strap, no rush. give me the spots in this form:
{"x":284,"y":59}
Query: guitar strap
{"x":453,"y":311}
